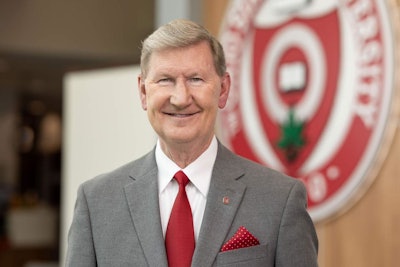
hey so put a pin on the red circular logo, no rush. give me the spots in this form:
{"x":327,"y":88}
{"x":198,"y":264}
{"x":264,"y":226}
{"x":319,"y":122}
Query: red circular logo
{"x":312,"y":85}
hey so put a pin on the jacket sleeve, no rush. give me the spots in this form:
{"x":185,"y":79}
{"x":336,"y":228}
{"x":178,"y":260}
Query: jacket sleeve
{"x":80,"y":250}
{"x":297,"y":241}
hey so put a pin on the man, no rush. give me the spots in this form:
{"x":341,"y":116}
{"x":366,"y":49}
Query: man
{"x":240,"y":213}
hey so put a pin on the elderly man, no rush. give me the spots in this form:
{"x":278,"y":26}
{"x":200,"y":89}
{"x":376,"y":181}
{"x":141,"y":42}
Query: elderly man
{"x":190,"y":201}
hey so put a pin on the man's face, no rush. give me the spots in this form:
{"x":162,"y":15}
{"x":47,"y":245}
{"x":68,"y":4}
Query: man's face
{"x":182,"y":93}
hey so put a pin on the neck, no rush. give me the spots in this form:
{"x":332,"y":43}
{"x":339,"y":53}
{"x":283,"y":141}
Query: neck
{"x":183,"y":154}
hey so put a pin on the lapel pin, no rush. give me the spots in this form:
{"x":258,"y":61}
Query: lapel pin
{"x":225,"y":200}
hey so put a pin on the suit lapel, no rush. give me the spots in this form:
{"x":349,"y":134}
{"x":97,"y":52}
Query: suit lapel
{"x":142,"y":198}
{"x":219,"y":214}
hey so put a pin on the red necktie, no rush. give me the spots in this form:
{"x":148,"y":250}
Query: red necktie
{"x":179,"y":238}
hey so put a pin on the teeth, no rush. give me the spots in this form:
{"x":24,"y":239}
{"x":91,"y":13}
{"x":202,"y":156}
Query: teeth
{"x":179,"y":115}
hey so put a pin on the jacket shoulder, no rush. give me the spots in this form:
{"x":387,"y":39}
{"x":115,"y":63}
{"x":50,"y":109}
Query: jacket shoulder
{"x":122,"y":175}
{"x":255,"y":171}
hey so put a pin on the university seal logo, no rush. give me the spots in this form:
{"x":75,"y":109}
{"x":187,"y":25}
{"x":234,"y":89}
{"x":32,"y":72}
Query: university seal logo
{"x":312,"y":90}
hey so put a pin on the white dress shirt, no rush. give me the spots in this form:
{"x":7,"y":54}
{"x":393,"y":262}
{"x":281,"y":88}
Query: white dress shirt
{"x":199,"y":174}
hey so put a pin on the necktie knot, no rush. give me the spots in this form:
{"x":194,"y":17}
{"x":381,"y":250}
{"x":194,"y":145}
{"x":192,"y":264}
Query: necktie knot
{"x":181,"y":178}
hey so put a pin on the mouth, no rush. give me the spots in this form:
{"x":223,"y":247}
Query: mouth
{"x":179,"y":115}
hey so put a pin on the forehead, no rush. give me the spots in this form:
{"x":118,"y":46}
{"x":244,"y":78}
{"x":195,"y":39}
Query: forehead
{"x":197,"y":56}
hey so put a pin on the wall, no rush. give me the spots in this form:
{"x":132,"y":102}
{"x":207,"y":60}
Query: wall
{"x":104,"y":127}
{"x":368,"y":233}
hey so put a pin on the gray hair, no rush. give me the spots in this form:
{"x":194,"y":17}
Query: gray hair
{"x":181,"y":33}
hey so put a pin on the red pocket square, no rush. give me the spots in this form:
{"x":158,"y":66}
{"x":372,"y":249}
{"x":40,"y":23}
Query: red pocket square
{"x":241,"y":239}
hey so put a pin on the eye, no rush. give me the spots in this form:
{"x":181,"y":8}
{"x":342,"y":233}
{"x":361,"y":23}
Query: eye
{"x":165,"y":81}
{"x":196,"y":79}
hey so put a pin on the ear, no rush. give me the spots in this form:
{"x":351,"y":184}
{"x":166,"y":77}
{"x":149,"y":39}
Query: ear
{"x":142,"y":91}
{"x":225,"y":87}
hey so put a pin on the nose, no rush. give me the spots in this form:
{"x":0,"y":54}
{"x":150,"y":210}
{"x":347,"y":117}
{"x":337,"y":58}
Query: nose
{"x":181,"y":95}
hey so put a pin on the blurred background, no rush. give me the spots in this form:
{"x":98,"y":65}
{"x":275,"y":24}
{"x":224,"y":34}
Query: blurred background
{"x":40,"y":42}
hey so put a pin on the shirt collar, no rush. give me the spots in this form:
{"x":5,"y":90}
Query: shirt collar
{"x":199,"y":171}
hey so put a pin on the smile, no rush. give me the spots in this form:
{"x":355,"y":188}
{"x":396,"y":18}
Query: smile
{"x":180,"y":115}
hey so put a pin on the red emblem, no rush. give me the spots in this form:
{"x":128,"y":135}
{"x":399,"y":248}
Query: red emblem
{"x":311,"y":91}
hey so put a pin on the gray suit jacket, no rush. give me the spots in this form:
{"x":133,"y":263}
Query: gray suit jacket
{"x":117,"y":219}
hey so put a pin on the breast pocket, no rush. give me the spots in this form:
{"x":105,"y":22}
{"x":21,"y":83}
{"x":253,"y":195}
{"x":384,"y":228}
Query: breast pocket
{"x":246,"y":257}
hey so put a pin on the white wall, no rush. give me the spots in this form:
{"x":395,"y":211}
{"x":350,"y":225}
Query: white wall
{"x":175,"y":9}
{"x":104,"y":127}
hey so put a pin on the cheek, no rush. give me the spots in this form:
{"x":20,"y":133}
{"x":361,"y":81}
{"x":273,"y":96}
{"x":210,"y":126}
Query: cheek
{"x":207,"y":97}
{"x":154,"y":100}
